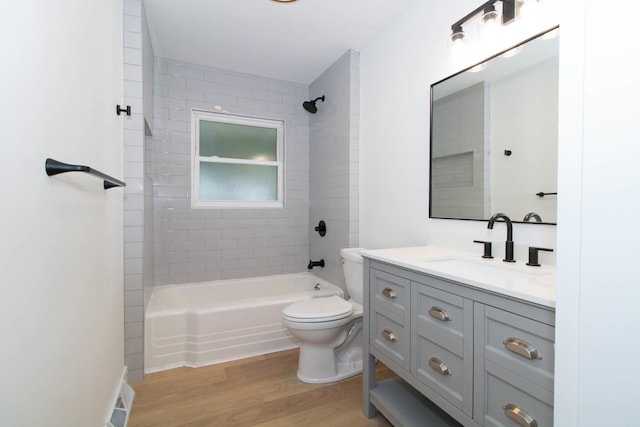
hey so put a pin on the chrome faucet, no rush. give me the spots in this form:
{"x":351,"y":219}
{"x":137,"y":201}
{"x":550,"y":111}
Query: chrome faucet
{"x":532,"y":215}
{"x":508,"y":246}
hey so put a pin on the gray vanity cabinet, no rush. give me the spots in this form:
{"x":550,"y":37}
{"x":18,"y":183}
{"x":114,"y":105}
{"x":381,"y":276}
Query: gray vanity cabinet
{"x":464,"y":356}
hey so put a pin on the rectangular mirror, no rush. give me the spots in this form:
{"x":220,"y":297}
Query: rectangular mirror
{"x":494,"y":136}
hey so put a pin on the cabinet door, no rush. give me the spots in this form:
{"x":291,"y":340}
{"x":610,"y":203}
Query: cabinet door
{"x":513,"y":369}
{"x":390,"y":328}
{"x":442,"y":356}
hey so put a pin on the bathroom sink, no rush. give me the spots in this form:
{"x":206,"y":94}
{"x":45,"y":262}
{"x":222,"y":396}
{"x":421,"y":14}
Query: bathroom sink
{"x":483,"y":269}
{"x":517,"y":280}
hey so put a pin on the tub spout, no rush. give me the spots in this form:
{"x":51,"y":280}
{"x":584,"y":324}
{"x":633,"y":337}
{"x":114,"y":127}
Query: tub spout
{"x":315,"y":264}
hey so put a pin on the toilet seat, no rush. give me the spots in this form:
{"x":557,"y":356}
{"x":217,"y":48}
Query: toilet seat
{"x":314,"y":310}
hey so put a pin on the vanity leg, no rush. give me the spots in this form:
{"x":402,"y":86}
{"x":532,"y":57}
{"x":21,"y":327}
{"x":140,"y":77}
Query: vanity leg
{"x":368,"y":362}
{"x":368,"y":383}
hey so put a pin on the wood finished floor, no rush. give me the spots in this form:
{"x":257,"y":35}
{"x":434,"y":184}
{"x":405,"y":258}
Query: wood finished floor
{"x":259,"y":391}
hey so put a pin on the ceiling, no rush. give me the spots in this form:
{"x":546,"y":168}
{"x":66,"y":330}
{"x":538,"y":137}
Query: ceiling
{"x":293,"y":41}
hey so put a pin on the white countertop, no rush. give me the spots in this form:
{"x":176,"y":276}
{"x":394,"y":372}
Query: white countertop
{"x":517,"y":280}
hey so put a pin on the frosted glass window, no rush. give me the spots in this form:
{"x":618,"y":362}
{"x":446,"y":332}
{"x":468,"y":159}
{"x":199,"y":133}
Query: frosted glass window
{"x":224,"y":181}
{"x":236,"y":161}
{"x":237,"y":141}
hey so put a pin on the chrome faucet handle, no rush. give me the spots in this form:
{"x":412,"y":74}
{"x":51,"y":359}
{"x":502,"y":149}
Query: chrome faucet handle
{"x":487,"y":248}
{"x":533,"y":255}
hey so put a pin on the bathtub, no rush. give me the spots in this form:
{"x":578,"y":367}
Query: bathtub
{"x":199,"y":324}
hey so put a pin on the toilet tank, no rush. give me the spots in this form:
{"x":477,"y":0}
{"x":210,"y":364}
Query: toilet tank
{"x":352,"y":269}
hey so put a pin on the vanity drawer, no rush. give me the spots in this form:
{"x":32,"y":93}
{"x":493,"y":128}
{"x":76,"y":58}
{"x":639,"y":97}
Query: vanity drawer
{"x":509,"y":405}
{"x":390,"y":338}
{"x":390,"y":296}
{"x":444,"y":372}
{"x":441,"y":315}
{"x":519,"y":344}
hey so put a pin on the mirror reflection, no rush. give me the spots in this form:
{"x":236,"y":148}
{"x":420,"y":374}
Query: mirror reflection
{"x":494,"y":137}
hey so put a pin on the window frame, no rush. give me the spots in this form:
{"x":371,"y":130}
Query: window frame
{"x":199,"y":115}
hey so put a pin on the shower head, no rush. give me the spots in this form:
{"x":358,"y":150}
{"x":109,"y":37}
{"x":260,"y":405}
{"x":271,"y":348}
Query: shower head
{"x":310,"y":106}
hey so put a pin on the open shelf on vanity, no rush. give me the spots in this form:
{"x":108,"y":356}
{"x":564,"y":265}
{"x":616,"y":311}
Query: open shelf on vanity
{"x":403,"y":405}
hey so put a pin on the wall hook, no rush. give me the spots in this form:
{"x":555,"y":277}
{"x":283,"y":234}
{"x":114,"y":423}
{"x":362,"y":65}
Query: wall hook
{"x":321,"y":228}
{"x":127,"y":110}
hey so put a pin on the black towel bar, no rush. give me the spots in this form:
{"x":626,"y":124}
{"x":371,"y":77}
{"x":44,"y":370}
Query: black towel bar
{"x":54,"y":167}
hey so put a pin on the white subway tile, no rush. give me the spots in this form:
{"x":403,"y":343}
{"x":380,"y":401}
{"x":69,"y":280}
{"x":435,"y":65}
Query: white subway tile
{"x":133,"y":298}
{"x":132,"y":56}
{"x":132,"y":282}
{"x":185,"y":70}
{"x":132,"y":40}
{"x":132,"y":23}
{"x":133,"y":7}
{"x":133,"y":330}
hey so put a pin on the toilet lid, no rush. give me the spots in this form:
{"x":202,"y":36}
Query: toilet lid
{"x":319,"y":309}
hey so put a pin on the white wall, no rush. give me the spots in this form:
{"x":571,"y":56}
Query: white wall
{"x":61,"y":315}
{"x":397,"y":70}
{"x":597,"y":312}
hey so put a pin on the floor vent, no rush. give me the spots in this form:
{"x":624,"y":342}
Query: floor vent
{"x":122,"y":407}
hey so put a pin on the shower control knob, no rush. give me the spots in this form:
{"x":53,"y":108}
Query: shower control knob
{"x":321,"y":228}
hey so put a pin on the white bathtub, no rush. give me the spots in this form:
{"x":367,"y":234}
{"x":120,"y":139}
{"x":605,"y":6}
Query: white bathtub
{"x":200,"y":324}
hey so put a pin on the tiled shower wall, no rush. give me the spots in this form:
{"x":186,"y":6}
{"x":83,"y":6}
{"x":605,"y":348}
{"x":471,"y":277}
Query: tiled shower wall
{"x":194,"y":245}
{"x":334,"y":144}
{"x":138,"y":201}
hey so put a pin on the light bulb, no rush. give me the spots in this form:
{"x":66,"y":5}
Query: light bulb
{"x":490,"y":26}
{"x":457,"y":43}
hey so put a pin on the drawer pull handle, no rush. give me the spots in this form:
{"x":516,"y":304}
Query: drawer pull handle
{"x":388,"y":335}
{"x":519,"y":416}
{"x":439,"y":313}
{"x":521,"y":348}
{"x":389,"y":293}
{"x":439,"y":366}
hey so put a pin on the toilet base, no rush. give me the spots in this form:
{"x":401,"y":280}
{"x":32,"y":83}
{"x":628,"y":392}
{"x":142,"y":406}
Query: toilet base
{"x":344,"y":370}
{"x":319,"y":365}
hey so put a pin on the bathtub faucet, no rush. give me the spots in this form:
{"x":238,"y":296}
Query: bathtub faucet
{"x":315,"y":264}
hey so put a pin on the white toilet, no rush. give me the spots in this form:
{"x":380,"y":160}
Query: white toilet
{"x":329,"y":329}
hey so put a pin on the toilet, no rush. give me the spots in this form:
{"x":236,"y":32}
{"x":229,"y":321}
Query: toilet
{"x":329,"y":329}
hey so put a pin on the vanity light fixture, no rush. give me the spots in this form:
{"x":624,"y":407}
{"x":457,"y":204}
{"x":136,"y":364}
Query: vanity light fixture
{"x":489,"y":22}
{"x":489,"y":15}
